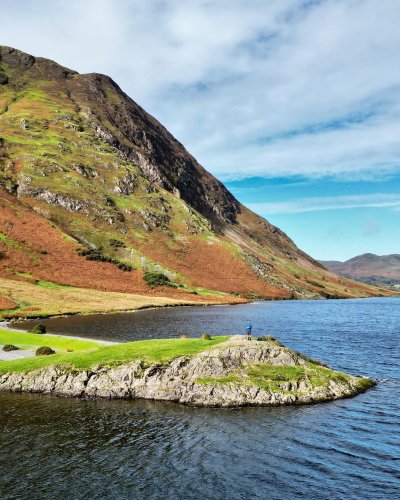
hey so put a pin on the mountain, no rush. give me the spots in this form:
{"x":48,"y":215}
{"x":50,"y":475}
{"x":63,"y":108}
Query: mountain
{"x":95,"y":192}
{"x":369,"y":268}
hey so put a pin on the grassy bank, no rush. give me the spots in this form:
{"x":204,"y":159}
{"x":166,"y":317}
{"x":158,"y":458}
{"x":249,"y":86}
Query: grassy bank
{"x":32,"y":341}
{"x":149,"y":351}
{"x":48,"y":299}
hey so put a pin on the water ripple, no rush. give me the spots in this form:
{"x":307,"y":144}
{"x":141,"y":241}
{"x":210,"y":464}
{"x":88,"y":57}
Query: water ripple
{"x":139,"y":449}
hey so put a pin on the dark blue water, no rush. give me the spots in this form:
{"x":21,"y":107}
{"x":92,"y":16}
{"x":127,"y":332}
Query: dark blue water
{"x":136,"y":449}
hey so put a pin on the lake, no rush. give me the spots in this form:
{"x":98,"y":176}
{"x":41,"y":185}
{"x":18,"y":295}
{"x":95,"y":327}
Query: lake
{"x":140,"y":449}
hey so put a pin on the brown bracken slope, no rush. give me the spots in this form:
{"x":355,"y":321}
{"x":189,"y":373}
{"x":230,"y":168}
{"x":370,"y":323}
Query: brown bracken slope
{"x":84,"y":169}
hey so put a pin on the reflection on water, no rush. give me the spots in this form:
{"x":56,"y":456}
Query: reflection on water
{"x":137,"y":449}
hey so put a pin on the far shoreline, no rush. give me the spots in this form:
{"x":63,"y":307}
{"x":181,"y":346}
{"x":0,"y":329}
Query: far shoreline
{"x":7,"y":323}
{"x":21,"y":319}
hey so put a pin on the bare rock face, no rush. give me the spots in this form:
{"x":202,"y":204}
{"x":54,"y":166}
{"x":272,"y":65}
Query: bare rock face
{"x":218,"y":377}
{"x":126,"y":185}
{"x":143,"y":140}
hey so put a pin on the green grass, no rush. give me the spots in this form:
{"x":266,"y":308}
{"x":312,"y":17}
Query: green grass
{"x":31,"y":340}
{"x":206,"y":292}
{"x":149,"y":351}
{"x":127,"y":201}
{"x":271,"y":377}
{"x":276,"y":373}
{"x":35,"y":95}
{"x":49,"y":284}
{"x":24,"y":275}
{"x":365,"y":383}
{"x":42,"y":283}
{"x":320,"y":375}
{"x":9,"y":242}
{"x":223,"y":380}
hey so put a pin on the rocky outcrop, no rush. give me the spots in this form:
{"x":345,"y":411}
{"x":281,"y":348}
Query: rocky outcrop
{"x":126,"y":185}
{"x":141,"y":139}
{"x":226,"y":376}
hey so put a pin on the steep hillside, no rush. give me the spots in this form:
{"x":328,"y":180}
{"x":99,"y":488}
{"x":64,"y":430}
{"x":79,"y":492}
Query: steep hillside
{"x":87,"y":176}
{"x":369,"y":268}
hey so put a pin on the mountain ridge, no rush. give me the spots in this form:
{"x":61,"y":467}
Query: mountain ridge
{"x":369,"y":267}
{"x":85,"y":163}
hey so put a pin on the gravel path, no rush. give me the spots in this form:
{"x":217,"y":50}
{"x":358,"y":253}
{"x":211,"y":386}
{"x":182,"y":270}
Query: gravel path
{"x":6,"y":326}
{"x":21,"y":353}
{"x":28,"y":353}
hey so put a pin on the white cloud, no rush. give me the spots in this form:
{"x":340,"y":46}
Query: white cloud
{"x":315,"y":204}
{"x":251,"y":88}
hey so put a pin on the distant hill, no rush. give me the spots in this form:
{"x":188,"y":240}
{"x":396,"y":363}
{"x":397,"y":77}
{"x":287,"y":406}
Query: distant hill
{"x":369,"y":268}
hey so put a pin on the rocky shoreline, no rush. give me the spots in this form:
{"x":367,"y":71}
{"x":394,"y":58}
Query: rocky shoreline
{"x":236,"y":373}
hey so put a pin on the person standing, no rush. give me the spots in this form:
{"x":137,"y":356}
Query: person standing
{"x":249,"y":327}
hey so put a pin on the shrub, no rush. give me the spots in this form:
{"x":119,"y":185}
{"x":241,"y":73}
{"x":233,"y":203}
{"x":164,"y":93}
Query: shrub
{"x":44,"y":351}
{"x":10,"y":347}
{"x":206,"y":336}
{"x":117,"y":243}
{"x":109,"y":201}
{"x":39,"y":329}
{"x":330,"y":295}
{"x":157,"y":279}
{"x":269,"y":338}
{"x":124,"y":267}
{"x":315,"y":283}
{"x":93,"y":254}
{"x":96,"y":254}
{"x":273,"y":339}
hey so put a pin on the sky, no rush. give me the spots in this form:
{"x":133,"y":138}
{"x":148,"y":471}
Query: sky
{"x":293,"y":104}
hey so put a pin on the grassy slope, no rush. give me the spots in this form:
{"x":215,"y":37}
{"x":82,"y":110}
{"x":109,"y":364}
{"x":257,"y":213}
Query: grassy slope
{"x":44,"y":139}
{"x":149,"y":351}
{"x":47,"y":155}
{"x":36,"y":251}
{"x":31,"y":340}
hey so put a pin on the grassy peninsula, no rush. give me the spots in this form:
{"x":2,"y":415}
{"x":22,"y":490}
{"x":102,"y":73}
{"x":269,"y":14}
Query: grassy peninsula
{"x":87,"y":354}
{"x":222,"y":371}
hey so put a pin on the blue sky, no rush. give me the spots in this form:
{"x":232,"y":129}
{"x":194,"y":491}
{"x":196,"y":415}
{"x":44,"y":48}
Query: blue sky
{"x":328,"y":218}
{"x":294,"y":104}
